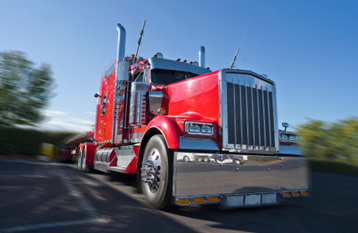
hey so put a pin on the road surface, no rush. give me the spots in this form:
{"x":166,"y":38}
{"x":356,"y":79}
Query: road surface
{"x":55,"y":197}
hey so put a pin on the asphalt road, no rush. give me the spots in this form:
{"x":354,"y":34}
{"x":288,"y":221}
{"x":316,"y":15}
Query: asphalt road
{"x":55,"y":197}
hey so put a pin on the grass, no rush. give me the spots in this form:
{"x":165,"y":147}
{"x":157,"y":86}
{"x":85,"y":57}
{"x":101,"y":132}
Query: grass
{"x":334,"y":166}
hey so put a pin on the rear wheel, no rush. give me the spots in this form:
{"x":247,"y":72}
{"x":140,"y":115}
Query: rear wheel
{"x":156,"y":170}
{"x":79,"y":159}
{"x":84,"y":167}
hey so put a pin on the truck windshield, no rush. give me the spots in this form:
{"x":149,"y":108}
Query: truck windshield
{"x":162,"y":77}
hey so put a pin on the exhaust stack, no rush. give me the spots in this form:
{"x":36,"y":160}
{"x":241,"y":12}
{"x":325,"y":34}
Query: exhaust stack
{"x":121,"y":42}
{"x":120,"y":49}
{"x":202,"y":56}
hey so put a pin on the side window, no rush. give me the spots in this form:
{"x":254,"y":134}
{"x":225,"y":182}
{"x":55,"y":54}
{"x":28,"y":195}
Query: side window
{"x":141,"y":76}
{"x":104,"y":105}
{"x":138,"y":77}
{"x":109,"y":71}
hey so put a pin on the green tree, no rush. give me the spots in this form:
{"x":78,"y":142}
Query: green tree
{"x":337,"y":140}
{"x":24,"y":89}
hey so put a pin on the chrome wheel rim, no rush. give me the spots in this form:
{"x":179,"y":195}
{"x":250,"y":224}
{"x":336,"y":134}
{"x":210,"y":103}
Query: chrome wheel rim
{"x":83,"y":162}
{"x":151,"y":171}
{"x":186,"y":159}
{"x":79,"y":160}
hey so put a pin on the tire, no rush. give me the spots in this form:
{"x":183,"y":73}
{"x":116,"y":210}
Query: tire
{"x":237,"y":161}
{"x":84,"y":167}
{"x":158,"y":192}
{"x":200,"y":159}
{"x":79,"y":160}
{"x":186,"y":159}
{"x":206,"y":160}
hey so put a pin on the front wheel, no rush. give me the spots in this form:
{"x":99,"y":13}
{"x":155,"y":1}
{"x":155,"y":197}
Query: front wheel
{"x":156,"y":170}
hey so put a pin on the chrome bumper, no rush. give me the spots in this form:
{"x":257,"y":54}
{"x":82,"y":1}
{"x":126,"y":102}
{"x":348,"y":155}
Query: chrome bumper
{"x":226,"y":175}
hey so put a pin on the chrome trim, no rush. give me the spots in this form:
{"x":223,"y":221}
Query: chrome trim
{"x":248,"y":81}
{"x":219,"y":174}
{"x":125,"y":155}
{"x":290,"y":150}
{"x":138,"y":90}
{"x":155,"y":101}
{"x":199,"y":123}
{"x":166,"y":143}
{"x":202,"y":56}
{"x":135,"y":137}
{"x":161,"y":63}
{"x":189,"y":143}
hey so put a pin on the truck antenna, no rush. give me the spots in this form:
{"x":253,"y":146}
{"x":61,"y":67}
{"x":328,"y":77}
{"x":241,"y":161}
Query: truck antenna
{"x":233,"y":62}
{"x":141,"y":33}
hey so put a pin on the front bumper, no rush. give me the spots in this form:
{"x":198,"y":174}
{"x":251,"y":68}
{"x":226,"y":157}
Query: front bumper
{"x":239,"y":179}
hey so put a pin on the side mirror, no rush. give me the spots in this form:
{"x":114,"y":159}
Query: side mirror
{"x":285,"y":124}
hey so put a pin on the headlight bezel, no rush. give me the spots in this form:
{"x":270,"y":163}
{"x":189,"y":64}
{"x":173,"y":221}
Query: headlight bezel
{"x":290,"y":137}
{"x":188,"y":125}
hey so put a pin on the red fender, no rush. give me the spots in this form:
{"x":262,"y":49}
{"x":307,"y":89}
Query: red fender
{"x":169,"y":128}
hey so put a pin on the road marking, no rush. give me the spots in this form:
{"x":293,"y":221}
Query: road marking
{"x":53,"y":224}
{"x":82,"y":201}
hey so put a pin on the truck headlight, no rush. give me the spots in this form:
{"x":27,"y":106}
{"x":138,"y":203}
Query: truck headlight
{"x":292,"y":138}
{"x":198,"y":128}
{"x":284,"y":137}
{"x":207,"y":129}
{"x":194,"y":128}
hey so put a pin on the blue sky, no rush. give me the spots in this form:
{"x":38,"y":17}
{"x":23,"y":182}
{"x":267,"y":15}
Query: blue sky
{"x":309,"y":48}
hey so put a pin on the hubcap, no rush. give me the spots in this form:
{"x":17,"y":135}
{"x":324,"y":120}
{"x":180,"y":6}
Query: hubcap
{"x":151,"y":169}
{"x":79,"y":161}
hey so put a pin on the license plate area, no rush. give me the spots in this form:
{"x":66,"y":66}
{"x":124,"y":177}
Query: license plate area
{"x":247,"y":200}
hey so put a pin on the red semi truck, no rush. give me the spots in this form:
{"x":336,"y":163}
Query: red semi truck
{"x":191,"y":135}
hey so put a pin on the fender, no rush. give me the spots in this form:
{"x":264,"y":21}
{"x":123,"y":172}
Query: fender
{"x":169,"y":129}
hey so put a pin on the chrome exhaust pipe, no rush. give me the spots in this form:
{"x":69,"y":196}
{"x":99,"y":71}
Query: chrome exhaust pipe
{"x":121,"y":42}
{"x":202,"y":56}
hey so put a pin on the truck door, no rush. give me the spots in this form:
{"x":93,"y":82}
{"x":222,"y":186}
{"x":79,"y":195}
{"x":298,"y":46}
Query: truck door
{"x":105,"y":107}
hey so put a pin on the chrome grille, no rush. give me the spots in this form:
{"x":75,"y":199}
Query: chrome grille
{"x":250,"y":118}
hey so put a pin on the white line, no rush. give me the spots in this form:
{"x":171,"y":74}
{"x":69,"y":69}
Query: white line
{"x":86,"y":205}
{"x":53,"y":224}
{"x":82,"y":201}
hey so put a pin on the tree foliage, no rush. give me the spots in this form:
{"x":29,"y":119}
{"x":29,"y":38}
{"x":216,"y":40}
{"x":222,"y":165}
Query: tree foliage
{"x":24,"y":89}
{"x":338,"y":140}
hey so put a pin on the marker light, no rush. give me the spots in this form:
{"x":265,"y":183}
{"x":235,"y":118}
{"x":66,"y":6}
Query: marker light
{"x":183,"y":201}
{"x":213,"y":199}
{"x":286,"y":194}
{"x":184,"y":61}
{"x":161,"y":111}
{"x":155,"y":55}
{"x":178,"y":59}
{"x":295,"y":194}
{"x":143,"y":109}
{"x":191,"y":63}
{"x":199,"y":200}
{"x":132,"y":56}
{"x":208,"y":68}
{"x":304,"y":193}
{"x":121,"y":92}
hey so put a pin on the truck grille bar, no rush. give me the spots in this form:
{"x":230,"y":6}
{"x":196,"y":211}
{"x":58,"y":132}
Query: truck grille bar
{"x":250,"y":118}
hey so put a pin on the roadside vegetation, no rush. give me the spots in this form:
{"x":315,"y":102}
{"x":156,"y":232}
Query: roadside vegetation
{"x":20,"y":141}
{"x":331,"y":147}
{"x":25,"y":91}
